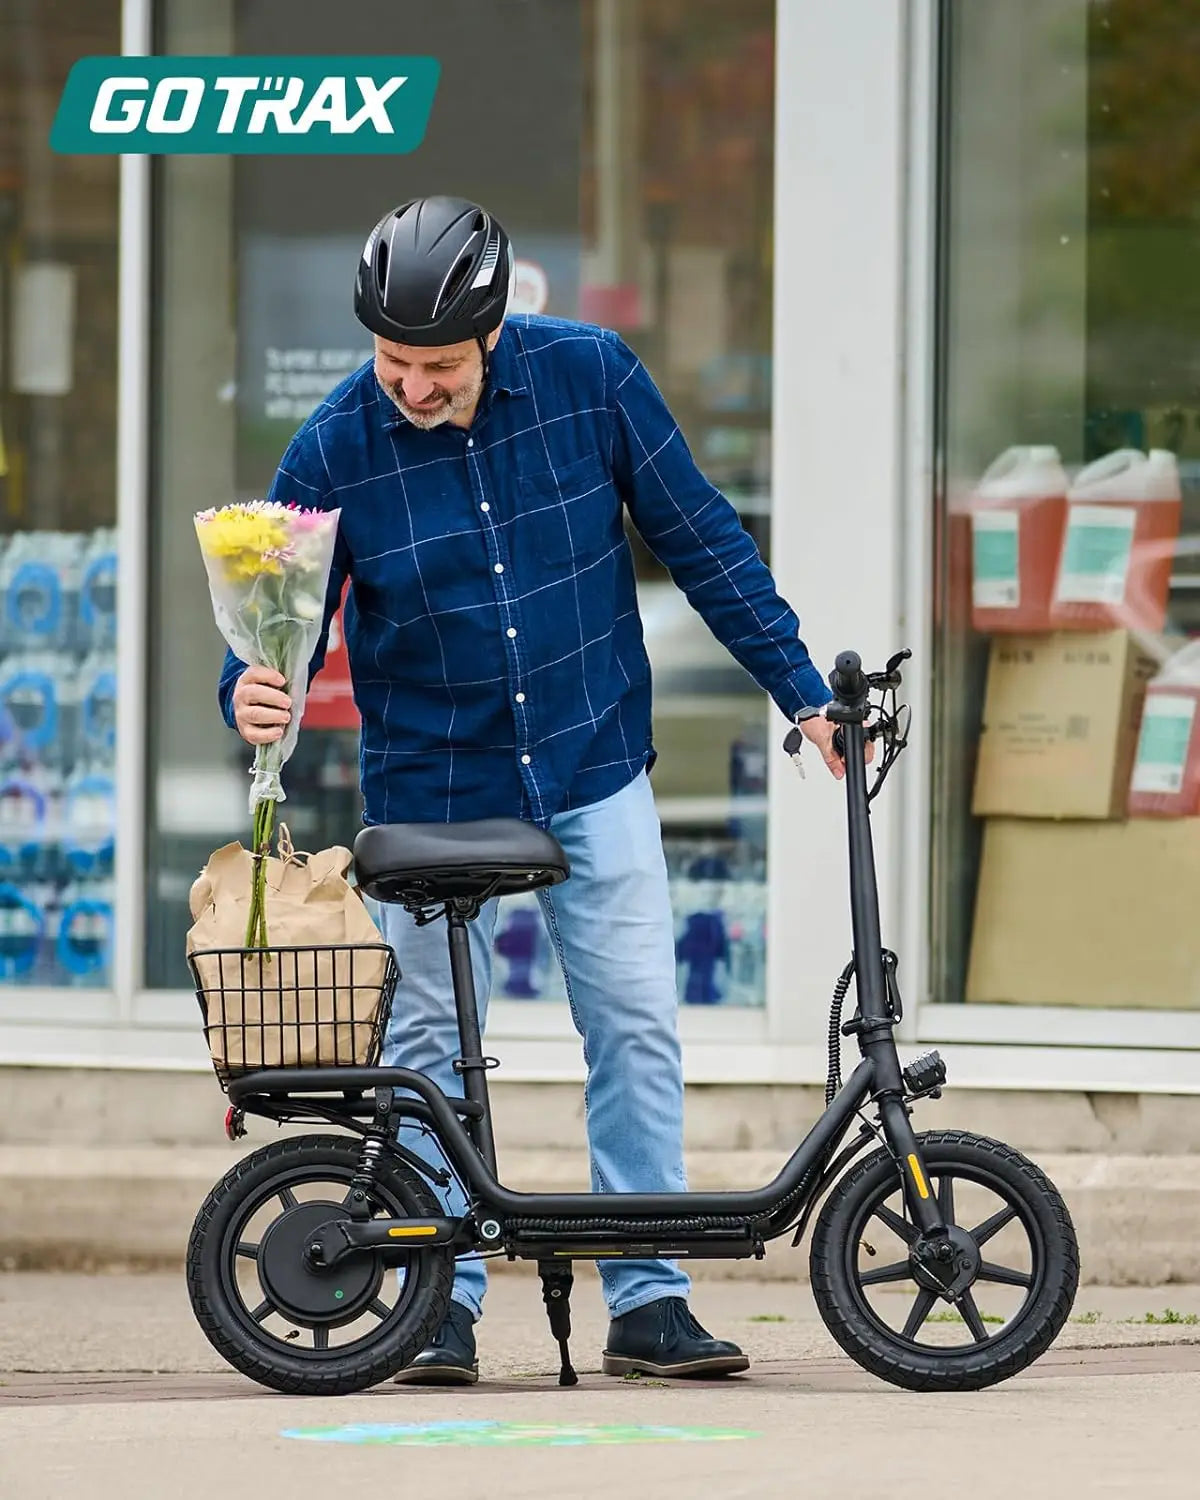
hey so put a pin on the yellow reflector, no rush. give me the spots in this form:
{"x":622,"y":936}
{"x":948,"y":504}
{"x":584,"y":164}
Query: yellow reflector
{"x":918,"y":1176}
{"x":414,"y":1231}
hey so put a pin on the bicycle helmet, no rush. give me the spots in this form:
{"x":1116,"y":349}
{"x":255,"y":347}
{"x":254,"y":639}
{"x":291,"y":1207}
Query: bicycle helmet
{"x":435,"y":271}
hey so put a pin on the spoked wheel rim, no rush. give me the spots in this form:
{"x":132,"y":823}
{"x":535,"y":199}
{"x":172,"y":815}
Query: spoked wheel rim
{"x":314,"y":1304}
{"x":909,"y":1286}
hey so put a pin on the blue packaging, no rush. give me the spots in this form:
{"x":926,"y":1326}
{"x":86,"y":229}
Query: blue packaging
{"x":22,"y":927}
{"x":83,"y":947}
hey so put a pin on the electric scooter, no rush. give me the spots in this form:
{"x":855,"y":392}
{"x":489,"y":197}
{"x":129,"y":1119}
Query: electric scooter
{"x":288,"y":1260}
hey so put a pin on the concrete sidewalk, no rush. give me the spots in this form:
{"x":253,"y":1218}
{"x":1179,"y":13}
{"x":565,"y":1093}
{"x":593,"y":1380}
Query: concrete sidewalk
{"x":108,"y":1389}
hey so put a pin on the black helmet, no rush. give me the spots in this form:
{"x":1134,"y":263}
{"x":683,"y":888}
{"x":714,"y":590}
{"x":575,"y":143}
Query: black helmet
{"x":434,"y":271}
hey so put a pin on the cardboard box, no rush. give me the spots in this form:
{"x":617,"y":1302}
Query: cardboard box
{"x":1088,"y":913}
{"x":1060,"y":724}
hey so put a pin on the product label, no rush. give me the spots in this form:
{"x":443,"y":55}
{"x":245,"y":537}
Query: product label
{"x":1096,"y":552}
{"x":1162,"y":750}
{"x":996,"y":552}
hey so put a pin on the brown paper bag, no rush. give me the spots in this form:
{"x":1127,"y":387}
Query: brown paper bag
{"x":307,"y":1008}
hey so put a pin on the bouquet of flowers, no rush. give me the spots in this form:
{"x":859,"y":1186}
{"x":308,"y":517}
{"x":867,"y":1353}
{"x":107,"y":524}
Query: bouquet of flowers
{"x":268,"y":568}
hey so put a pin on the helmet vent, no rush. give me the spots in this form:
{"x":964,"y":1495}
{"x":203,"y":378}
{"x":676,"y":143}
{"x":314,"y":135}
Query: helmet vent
{"x":381,"y":264}
{"x":454,"y":283}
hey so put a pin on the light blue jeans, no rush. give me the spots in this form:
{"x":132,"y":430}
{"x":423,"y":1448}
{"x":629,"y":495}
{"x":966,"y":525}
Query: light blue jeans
{"x":611,"y":925}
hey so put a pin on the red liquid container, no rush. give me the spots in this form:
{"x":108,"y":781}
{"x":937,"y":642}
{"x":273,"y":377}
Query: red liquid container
{"x":1123,"y":515}
{"x":1018,"y":512}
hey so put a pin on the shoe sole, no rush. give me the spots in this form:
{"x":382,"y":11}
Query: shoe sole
{"x":436,"y":1375}
{"x":726,"y":1364}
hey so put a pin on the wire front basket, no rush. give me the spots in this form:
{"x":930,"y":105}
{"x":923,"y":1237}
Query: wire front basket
{"x":295,"y":1007}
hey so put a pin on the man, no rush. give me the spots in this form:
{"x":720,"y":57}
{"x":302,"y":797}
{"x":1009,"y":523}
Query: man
{"x":482,"y":466}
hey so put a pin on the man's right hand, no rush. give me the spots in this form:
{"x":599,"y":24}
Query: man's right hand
{"x":261,"y":709}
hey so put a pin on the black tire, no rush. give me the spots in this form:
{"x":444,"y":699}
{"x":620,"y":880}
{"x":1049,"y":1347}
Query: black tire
{"x":1053,"y":1277}
{"x":239,"y":1337}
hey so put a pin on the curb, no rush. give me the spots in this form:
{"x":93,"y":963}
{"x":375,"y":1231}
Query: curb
{"x":91,"y":1208}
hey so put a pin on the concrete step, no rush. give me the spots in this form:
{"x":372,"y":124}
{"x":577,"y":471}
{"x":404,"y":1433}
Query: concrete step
{"x":76,"y":1207}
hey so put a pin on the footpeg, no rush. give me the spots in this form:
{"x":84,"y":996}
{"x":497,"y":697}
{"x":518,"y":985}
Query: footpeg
{"x":557,"y":1281}
{"x":925,"y":1075}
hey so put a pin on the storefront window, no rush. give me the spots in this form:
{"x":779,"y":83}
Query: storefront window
{"x":1067,"y":783}
{"x":58,"y":355}
{"x":646,"y":114}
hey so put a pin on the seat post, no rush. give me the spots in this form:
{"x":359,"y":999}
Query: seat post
{"x":472,"y":1063}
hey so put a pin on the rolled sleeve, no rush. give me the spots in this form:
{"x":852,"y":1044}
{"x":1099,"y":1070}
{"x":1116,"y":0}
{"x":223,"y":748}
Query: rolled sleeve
{"x":697,"y":535}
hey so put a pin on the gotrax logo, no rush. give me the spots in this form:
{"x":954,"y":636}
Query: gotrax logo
{"x":239,"y":105}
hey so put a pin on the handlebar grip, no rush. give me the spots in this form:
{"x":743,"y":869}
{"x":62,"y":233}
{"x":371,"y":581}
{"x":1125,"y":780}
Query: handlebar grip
{"x":847,"y":680}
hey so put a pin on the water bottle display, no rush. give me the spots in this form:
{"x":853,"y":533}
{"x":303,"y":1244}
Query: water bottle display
{"x":58,"y":695}
{"x":97,"y":617}
{"x":718,"y":895}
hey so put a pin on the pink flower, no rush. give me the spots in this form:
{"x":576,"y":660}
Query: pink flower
{"x":309,"y":520}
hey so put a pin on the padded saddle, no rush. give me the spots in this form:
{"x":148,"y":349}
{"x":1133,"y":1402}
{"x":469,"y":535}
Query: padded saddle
{"x":417,"y":864}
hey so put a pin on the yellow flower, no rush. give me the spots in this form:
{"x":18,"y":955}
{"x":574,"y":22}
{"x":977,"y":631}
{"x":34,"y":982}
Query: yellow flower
{"x":234,"y":529}
{"x":238,"y":536}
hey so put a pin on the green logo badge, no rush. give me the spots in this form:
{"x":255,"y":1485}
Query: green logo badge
{"x":245,"y":105}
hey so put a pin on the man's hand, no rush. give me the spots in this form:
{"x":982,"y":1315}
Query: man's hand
{"x":260,"y":708}
{"x":820,"y":732}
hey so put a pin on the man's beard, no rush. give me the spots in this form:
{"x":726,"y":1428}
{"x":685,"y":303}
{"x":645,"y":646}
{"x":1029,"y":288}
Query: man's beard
{"x":450,"y":405}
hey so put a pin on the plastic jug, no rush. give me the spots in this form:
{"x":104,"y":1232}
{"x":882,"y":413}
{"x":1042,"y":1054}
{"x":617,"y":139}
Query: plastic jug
{"x":1123,"y":515}
{"x":1166,"y":768}
{"x":1018,"y":512}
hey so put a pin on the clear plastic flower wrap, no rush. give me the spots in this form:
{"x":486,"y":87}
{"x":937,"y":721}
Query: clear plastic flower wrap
{"x":268,"y":569}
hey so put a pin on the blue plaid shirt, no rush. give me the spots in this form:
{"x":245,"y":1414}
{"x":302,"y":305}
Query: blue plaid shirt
{"x":492,"y":623}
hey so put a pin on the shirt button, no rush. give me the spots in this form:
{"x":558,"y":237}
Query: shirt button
{"x":499,"y":567}
{"x":470,"y":442}
{"x":510,"y":633}
{"x":520,"y":697}
{"x":525,"y":759}
{"x":485,"y":506}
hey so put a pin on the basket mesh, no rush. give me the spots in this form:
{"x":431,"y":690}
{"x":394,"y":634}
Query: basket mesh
{"x":294,"y":1007}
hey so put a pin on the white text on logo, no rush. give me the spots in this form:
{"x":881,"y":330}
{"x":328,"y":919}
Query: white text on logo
{"x":125,"y":103}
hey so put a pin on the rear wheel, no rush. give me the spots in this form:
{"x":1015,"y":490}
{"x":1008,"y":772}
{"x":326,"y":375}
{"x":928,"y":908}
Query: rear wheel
{"x":1013,"y":1250}
{"x":288,"y":1325}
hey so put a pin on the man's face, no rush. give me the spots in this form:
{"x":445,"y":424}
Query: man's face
{"x":430,"y":386}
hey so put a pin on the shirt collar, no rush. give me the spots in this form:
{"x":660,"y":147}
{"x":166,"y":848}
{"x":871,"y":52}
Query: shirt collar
{"x":504,"y":378}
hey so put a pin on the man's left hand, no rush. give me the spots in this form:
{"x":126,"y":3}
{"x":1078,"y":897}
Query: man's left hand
{"x":820,"y":732}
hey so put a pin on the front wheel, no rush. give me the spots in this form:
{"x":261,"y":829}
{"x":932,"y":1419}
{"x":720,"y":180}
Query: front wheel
{"x":1015,"y":1256}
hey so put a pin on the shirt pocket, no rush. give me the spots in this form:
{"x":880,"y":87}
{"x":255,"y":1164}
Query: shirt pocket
{"x":571,"y":512}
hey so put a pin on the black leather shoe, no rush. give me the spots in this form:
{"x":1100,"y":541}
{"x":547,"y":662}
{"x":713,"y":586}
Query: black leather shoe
{"x":663,"y":1338}
{"x":449,"y":1357}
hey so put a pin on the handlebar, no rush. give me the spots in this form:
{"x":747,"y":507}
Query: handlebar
{"x":851,"y":685}
{"x":848,"y":680}
{"x":852,"y":706}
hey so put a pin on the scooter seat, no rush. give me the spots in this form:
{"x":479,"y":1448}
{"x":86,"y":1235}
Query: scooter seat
{"x":427,"y":863}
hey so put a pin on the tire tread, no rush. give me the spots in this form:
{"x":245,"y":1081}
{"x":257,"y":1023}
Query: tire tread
{"x":950,"y":1371}
{"x":338,"y":1375}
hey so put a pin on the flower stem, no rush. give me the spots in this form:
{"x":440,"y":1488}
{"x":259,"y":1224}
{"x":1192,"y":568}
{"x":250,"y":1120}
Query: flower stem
{"x":264,"y":827}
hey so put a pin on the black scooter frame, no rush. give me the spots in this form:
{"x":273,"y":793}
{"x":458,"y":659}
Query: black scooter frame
{"x":567,"y":1226}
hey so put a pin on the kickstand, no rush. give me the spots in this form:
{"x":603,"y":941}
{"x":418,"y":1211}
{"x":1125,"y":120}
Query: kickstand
{"x":557,"y":1281}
